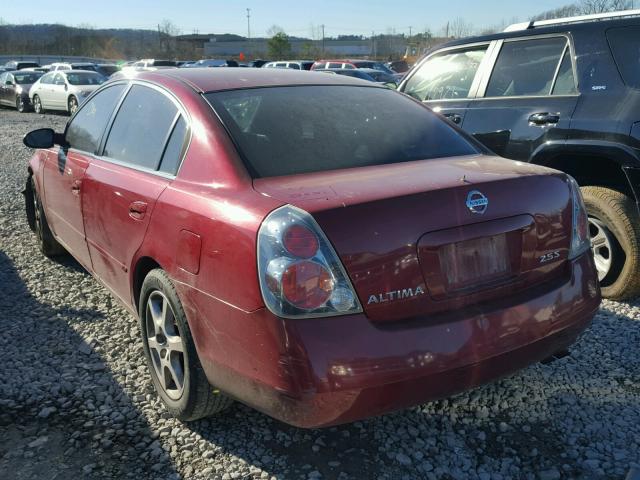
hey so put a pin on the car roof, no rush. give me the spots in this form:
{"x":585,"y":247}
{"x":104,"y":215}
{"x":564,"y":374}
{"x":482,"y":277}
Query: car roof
{"x":211,"y":80}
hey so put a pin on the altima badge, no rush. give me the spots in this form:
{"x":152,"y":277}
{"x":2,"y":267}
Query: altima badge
{"x":477,"y":202}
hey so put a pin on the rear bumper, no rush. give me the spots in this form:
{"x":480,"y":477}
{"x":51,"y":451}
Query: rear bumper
{"x":337,"y":370}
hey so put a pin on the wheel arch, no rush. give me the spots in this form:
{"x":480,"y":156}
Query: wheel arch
{"x":592,"y":163}
{"x":142,"y":268}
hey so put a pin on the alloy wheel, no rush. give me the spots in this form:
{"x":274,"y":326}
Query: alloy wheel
{"x":601,"y":246}
{"x":166,"y":347}
{"x":20,"y":104}
{"x":73,"y":105}
{"x":37,"y":106}
{"x":36,"y":209}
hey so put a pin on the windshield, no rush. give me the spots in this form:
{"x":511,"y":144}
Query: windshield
{"x":164,"y":63}
{"x":84,"y":67}
{"x":374,"y":65}
{"x":302,"y":129}
{"x":27,"y":77}
{"x":108,"y":69}
{"x":85,"y":78}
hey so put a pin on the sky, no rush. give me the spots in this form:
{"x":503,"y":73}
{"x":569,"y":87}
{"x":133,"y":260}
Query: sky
{"x":295,"y":17}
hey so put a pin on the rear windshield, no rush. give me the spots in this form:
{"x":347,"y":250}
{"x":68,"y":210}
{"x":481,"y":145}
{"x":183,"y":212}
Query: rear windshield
{"x":303,"y":129}
{"x":85,"y":78}
{"x":164,"y":63}
{"x":27,"y":78}
{"x":625,"y":45}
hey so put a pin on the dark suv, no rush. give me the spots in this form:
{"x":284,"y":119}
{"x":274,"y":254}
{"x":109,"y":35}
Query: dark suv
{"x":563,"y":93}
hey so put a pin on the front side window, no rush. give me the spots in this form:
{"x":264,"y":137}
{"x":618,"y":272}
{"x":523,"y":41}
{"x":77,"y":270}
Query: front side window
{"x":47,"y":79}
{"x":86,"y":128}
{"x":58,"y":79}
{"x":625,"y":46}
{"x":284,"y":130}
{"x":446,"y":76}
{"x":526,"y":67}
{"x":141,"y":128}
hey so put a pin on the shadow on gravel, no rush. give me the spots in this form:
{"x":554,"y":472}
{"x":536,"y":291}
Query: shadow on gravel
{"x":62,"y":415}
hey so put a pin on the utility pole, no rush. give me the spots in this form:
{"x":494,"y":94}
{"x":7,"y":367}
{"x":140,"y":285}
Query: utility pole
{"x":410,"y":32}
{"x":248,"y":24}
{"x":373,"y":41}
{"x":322,"y":39}
{"x":447,"y":35}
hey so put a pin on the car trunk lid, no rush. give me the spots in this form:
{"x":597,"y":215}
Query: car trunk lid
{"x":414,"y":241}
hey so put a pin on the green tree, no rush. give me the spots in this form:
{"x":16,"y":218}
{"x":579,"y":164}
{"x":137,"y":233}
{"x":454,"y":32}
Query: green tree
{"x":279,"y":46}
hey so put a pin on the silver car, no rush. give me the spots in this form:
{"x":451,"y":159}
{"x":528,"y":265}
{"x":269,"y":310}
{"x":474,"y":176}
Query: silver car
{"x":64,"y":90}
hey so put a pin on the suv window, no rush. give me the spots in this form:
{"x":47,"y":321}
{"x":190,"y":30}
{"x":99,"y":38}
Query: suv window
{"x":446,"y":76}
{"x":141,"y":127}
{"x":86,"y":128}
{"x":565,"y":83}
{"x":526,"y":67}
{"x":285,"y":129}
{"x":625,"y":46}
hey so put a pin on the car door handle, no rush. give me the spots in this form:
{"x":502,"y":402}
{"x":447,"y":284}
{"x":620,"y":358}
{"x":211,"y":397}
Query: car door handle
{"x":137,"y":210}
{"x":544,"y":118}
{"x":454,"y":117}
{"x":75,"y":187}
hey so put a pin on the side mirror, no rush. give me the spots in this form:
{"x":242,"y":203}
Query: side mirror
{"x":43,"y":138}
{"x":8,"y":82}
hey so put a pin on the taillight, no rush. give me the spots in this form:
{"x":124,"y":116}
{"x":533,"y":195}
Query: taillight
{"x":580,"y":241}
{"x":300,"y":273}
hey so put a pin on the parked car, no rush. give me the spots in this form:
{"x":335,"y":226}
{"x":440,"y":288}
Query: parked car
{"x":107,"y":69}
{"x":63,"y":90}
{"x":258,"y":63}
{"x":148,"y":64}
{"x":293,"y":64}
{"x":361,"y":73}
{"x":14,"y":88}
{"x":318,"y":271}
{"x":72,"y":66}
{"x":562,"y":93}
{"x":19,"y":65}
{"x":212,"y":62}
{"x":398,"y":66}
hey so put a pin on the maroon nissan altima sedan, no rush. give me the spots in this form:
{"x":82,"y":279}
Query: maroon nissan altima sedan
{"x":317,"y":247}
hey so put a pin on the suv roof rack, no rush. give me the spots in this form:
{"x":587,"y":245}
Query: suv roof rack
{"x":579,"y":19}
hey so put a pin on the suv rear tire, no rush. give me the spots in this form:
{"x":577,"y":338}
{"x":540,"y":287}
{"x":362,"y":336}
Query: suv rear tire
{"x":616,"y":216}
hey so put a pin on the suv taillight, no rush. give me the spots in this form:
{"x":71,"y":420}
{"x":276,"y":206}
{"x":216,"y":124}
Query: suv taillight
{"x":580,"y":241}
{"x":300,"y":274}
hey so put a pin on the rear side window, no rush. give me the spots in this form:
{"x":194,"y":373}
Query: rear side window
{"x":86,"y":128}
{"x":565,"y":83}
{"x":446,"y":76}
{"x":625,"y":46}
{"x":526,"y":67}
{"x":47,"y":79}
{"x":284,"y":130}
{"x":173,"y":153}
{"x":141,"y":128}
{"x":320,"y":66}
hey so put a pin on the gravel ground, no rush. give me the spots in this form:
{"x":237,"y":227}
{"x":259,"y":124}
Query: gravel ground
{"x":76,"y":400}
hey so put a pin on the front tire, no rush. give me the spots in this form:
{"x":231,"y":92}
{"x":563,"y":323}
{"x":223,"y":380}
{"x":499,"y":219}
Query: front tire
{"x":171,"y":355}
{"x":37,"y":105}
{"x":72,"y":105}
{"x":20,"y":105}
{"x":47,"y":243}
{"x":614,"y":226}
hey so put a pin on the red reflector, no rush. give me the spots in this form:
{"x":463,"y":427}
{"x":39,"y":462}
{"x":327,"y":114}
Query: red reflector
{"x":300,"y":241}
{"x":307,"y":285}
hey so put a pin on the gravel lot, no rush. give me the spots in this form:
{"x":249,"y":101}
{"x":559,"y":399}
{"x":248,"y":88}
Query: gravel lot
{"x":76,"y":400}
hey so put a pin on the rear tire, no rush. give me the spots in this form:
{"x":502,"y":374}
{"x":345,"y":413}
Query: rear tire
{"x":171,"y":355}
{"x":614,"y":220}
{"x":47,"y":243}
{"x":37,"y":104}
